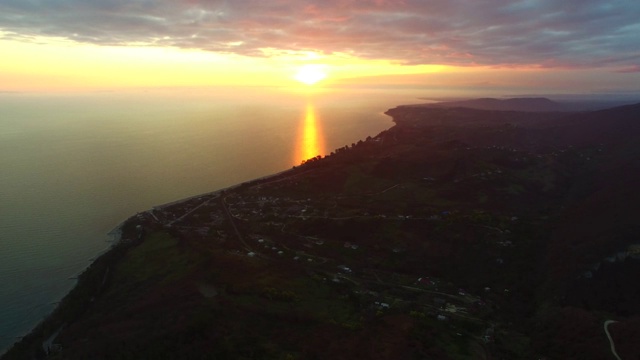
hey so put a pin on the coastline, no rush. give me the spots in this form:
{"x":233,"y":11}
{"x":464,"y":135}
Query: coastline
{"x":195,"y":242}
{"x":69,"y":307}
{"x":114,"y":225}
{"x":116,"y":232}
{"x":91,"y":280}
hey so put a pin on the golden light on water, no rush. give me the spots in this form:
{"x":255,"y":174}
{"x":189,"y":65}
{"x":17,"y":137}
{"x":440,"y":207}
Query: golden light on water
{"x":310,"y":138}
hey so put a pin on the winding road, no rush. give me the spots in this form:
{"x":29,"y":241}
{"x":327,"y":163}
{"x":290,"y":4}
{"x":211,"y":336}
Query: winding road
{"x":606,"y":331}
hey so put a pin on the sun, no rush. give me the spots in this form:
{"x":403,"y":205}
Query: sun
{"x":311,"y":74}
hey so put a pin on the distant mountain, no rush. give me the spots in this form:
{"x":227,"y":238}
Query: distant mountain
{"x":538,"y":104}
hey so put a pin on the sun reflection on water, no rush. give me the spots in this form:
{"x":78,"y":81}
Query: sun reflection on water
{"x":310,"y":141}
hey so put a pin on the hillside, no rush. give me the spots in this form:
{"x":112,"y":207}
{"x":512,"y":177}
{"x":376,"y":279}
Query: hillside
{"x":457,"y":234}
{"x":526,"y":104}
{"x":537,"y":104}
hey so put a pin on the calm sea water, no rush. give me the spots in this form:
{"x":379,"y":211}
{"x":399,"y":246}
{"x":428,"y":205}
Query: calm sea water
{"x":74,"y":166}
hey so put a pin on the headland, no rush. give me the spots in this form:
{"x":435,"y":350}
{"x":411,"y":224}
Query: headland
{"x":458,"y":233}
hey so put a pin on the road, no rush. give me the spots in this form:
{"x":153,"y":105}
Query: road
{"x":204,"y":203}
{"x":606,"y":331}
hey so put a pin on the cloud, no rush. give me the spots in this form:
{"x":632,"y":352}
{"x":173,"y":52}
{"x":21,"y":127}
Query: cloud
{"x":543,"y":33}
{"x":629,"y":69}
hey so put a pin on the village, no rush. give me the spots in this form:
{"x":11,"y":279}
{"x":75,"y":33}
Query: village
{"x":446,"y":245}
{"x":388,"y":247}
{"x":255,"y":223}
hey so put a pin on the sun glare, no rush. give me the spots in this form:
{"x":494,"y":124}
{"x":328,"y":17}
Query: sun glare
{"x":311,"y":74}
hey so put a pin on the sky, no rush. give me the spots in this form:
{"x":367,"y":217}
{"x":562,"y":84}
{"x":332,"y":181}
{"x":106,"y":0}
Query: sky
{"x":525,"y":46}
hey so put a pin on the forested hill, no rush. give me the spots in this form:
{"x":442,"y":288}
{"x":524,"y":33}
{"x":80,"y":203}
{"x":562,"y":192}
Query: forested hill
{"x":537,"y":104}
{"x":527,"y":104}
{"x":456,"y":234}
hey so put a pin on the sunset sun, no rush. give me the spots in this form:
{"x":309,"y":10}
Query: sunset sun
{"x":311,"y":74}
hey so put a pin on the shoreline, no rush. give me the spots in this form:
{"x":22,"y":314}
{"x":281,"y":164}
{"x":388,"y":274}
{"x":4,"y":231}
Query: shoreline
{"x":114,"y":227}
{"x":45,"y":330}
{"x":116,"y":232}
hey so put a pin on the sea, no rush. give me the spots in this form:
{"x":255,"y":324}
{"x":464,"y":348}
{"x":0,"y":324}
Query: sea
{"x":75,"y":165}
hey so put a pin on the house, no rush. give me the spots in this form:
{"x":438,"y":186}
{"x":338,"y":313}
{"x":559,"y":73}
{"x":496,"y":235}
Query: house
{"x":452,"y":308}
{"x":381,"y":305}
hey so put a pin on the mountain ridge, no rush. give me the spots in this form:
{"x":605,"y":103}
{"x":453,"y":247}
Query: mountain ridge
{"x":529,"y":104}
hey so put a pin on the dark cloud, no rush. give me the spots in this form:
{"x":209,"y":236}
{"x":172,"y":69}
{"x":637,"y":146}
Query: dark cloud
{"x":546,"y":33}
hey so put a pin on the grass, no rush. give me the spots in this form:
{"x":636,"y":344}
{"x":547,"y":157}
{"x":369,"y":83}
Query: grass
{"x":159,"y":256}
{"x":314,"y":299}
{"x":360,"y":182}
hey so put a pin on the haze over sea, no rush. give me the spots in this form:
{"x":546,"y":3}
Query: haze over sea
{"x":73,"y":166}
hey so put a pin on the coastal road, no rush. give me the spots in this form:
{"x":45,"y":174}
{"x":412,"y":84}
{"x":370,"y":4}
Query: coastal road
{"x":606,"y":331}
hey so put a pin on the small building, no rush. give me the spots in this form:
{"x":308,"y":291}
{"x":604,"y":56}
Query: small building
{"x":382,"y":305}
